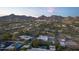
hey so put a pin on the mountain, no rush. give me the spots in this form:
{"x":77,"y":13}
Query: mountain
{"x":13,"y":17}
{"x":52,"y":18}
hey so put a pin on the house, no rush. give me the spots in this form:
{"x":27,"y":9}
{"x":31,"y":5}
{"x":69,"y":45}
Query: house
{"x":10,"y":47}
{"x":51,"y":39}
{"x":25,"y":37}
{"x":25,"y":46}
{"x":62,"y":42}
{"x":72,"y":44}
{"x":52,"y":48}
{"x":46,"y":38}
{"x":13,"y":46}
{"x":43,"y":37}
{"x":2,"y":45}
{"x":18,"y":46}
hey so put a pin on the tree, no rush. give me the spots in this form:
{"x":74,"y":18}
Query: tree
{"x":14,"y":36}
{"x":35,"y":43}
{"x":6,"y":36}
{"x":47,"y":44}
{"x":59,"y":47}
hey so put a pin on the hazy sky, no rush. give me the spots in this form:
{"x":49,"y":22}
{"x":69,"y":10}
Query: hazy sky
{"x":38,"y":11}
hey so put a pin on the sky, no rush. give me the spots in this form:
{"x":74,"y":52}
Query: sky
{"x":38,"y":11}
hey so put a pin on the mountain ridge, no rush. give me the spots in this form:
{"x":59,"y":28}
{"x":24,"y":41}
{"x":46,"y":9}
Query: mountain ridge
{"x":13,"y":17}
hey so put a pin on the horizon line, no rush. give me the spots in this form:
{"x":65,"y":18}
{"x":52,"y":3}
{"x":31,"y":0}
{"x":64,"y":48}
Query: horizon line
{"x":35,"y":16}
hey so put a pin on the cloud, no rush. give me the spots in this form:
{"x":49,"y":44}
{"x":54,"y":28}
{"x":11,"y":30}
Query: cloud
{"x":51,"y":9}
{"x":2,"y":12}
